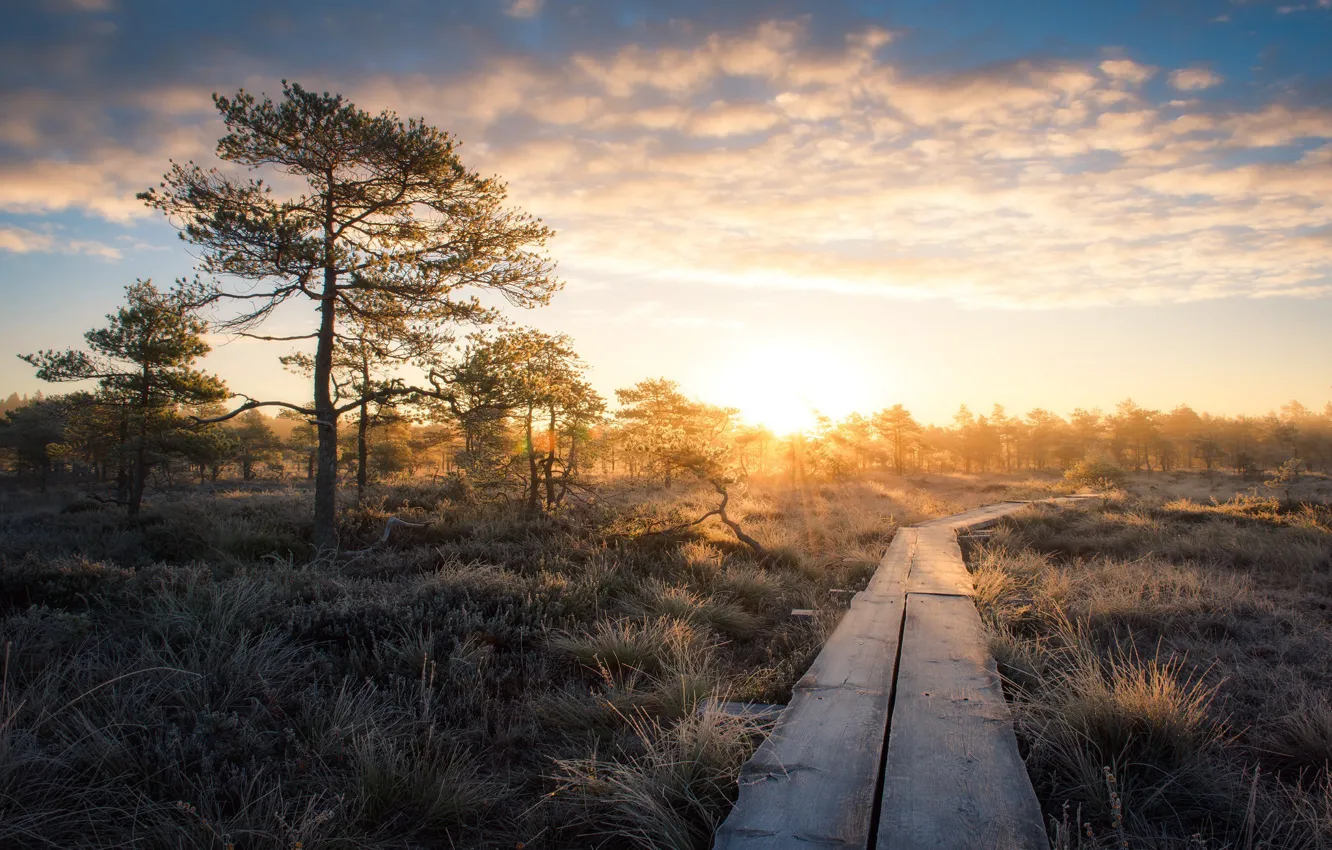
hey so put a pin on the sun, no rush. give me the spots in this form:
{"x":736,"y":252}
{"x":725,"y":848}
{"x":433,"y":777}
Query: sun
{"x":785,"y":388}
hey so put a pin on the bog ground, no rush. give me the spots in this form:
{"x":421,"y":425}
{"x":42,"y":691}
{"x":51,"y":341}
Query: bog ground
{"x":191,"y":680}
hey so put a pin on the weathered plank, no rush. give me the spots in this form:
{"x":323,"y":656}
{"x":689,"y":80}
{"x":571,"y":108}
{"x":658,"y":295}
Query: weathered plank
{"x":953,"y":776}
{"x":937,"y":566}
{"x":976,"y":517}
{"x":895,"y":566}
{"x":812,"y":783}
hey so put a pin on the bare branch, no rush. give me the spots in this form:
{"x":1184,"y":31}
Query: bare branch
{"x":392,"y":523}
{"x":266,"y":338}
{"x":251,"y":405}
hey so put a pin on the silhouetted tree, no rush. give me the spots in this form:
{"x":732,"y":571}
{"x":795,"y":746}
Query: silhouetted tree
{"x":897,"y":426}
{"x":30,"y":432}
{"x":254,"y":442}
{"x":1045,"y":434}
{"x":390,"y":227}
{"x":677,"y":434}
{"x":143,"y":363}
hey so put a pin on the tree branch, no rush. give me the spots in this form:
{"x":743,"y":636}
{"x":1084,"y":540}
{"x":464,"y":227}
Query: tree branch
{"x":267,"y":338}
{"x":732,"y":524}
{"x":250,"y":405}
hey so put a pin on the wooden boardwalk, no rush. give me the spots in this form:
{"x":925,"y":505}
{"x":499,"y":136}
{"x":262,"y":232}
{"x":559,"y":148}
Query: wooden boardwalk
{"x":898,"y":736}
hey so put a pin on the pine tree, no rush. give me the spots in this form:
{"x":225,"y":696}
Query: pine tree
{"x":143,"y":362}
{"x":390,"y":228}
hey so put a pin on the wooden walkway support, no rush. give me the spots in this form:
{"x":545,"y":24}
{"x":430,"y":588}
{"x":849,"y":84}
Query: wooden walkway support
{"x":898,"y":736}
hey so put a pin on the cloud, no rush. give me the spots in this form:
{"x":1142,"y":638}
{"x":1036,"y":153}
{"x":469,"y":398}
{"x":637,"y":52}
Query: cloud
{"x":1127,"y":71}
{"x":81,"y":5}
{"x":729,"y":119}
{"x":1194,"y":79}
{"x":19,"y":240}
{"x":523,"y":8}
{"x":765,"y":52}
{"x":765,"y":157}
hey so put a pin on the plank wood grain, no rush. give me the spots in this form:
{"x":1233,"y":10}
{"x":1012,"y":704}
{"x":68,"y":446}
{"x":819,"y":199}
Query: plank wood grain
{"x":953,"y":777}
{"x":952,"y":774}
{"x":976,"y":517}
{"x":938,"y":565}
{"x":813,"y":782}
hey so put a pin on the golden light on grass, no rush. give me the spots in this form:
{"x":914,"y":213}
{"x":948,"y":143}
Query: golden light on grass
{"x":786,"y":387}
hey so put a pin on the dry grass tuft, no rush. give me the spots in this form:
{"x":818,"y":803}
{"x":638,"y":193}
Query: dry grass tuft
{"x":719,"y":614}
{"x":1181,"y":646}
{"x":673,"y":793}
{"x":1301,"y":740}
{"x":633,"y":646}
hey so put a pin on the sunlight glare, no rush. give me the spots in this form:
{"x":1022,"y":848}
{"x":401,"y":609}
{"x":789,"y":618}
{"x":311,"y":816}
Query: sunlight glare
{"x":786,"y":387}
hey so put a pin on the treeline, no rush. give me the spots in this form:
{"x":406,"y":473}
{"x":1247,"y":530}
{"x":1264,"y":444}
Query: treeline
{"x":14,"y":401}
{"x":1132,"y":437}
{"x":496,"y":433}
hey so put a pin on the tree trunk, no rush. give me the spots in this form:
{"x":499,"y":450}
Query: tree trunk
{"x":139,"y":475}
{"x":550,"y":463}
{"x":326,"y":469}
{"x":122,"y":478}
{"x":739,"y":532}
{"x":533,"y":477}
{"x":362,"y":449}
{"x":570,"y":465}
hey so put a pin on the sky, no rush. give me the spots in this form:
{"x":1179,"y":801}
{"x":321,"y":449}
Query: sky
{"x":784,"y":206}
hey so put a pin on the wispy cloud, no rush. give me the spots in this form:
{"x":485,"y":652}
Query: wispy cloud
{"x":1128,"y":71}
{"x":20,"y":240}
{"x":759,"y":158}
{"x":523,"y":8}
{"x":1194,"y":79}
{"x":81,"y":5}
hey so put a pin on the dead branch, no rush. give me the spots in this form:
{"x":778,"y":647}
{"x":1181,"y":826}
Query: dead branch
{"x":250,"y":404}
{"x":720,"y":513}
{"x":680,"y":527}
{"x":392,"y":523}
{"x":106,"y":501}
{"x":732,"y":524}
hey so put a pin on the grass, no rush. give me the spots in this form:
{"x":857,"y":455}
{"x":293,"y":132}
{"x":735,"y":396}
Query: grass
{"x":1179,"y":647}
{"x":672,"y":792}
{"x":193,"y":681}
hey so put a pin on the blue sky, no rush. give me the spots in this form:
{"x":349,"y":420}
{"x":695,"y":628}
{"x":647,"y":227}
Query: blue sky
{"x":1111,"y":199}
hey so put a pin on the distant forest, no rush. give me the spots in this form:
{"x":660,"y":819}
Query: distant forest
{"x":73,"y":437}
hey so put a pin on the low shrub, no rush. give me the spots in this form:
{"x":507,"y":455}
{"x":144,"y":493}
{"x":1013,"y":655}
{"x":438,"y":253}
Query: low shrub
{"x":1165,"y":662}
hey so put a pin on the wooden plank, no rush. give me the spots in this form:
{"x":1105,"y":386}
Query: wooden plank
{"x":895,"y":565}
{"x":812,"y":783}
{"x":953,"y":776}
{"x":976,"y":516}
{"x":937,"y":566}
